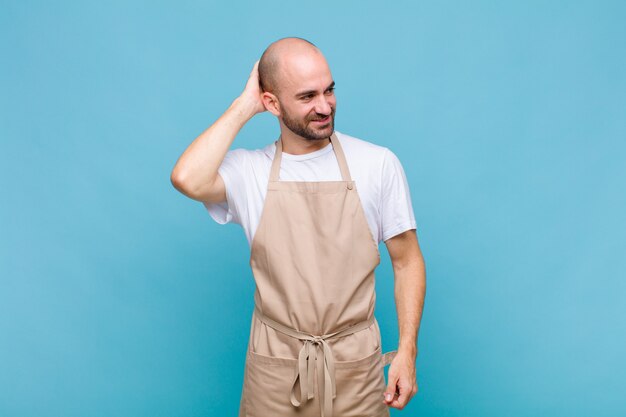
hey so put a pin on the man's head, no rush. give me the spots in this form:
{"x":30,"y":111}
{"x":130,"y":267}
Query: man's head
{"x":298,"y":87}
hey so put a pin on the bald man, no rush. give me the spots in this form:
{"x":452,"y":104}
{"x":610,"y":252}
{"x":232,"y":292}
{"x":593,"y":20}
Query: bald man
{"x":314,"y":205}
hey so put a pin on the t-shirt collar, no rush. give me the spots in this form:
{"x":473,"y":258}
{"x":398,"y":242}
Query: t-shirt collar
{"x":270,"y":150}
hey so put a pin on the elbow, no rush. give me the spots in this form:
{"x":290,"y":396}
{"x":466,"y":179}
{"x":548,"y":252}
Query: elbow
{"x":179,"y":181}
{"x":187,"y":186}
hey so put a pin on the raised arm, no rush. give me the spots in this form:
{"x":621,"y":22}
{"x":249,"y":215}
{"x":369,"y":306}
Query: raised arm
{"x":196,"y":171}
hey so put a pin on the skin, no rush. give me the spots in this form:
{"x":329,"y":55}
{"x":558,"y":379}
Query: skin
{"x":305,"y":94}
{"x":409,"y":291}
{"x":302,"y":67}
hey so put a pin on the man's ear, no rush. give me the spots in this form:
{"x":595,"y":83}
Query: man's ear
{"x":270,"y":101}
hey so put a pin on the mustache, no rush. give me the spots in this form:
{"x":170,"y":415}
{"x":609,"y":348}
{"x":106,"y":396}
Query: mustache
{"x":322,"y":118}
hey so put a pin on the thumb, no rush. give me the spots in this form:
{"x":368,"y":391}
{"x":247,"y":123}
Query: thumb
{"x":390,"y":391}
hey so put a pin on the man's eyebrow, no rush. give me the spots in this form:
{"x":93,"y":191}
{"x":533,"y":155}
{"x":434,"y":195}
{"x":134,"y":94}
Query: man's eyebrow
{"x":304,"y":93}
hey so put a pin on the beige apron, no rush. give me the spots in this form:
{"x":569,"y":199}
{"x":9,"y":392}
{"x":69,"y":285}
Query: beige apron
{"x":315,"y":345}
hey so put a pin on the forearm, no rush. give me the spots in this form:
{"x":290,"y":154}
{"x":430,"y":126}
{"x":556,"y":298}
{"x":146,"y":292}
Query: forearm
{"x":199,"y":163}
{"x":410,"y":290}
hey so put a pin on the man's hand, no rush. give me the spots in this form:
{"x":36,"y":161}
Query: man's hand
{"x":252,"y":93}
{"x":401,"y":384}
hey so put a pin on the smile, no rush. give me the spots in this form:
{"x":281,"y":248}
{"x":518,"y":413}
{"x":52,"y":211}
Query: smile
{"x":324,"y":120}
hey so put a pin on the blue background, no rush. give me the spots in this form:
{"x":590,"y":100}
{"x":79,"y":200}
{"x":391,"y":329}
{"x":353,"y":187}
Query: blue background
{"x":119,"y":296}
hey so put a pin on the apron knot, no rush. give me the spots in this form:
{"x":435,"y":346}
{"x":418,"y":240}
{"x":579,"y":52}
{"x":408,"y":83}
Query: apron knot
{"x":317,"y":340}
{"x":315,"y":357}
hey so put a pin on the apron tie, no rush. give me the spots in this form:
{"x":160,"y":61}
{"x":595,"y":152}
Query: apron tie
{"x":314,"y":347}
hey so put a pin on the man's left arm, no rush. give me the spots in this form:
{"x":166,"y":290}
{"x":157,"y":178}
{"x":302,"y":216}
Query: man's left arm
{"x":410,"y":289}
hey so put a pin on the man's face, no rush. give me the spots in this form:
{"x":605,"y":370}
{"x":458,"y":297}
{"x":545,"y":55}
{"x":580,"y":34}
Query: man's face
{"x":307,"y":99}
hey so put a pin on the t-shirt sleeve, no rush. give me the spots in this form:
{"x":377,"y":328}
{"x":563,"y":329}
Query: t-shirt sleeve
{"x":396,"y":209}
{"x":232,"y":170}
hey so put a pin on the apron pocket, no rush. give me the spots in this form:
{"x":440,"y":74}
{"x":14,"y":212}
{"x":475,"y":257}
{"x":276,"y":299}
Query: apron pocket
{"x":360,"y":387}
{"x":267,"y":385}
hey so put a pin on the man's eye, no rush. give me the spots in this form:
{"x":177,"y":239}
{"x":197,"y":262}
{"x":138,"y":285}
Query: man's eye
{"x":309,"y":96}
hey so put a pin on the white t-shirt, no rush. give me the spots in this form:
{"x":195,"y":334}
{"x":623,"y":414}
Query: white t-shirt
{"x":380,"y":181}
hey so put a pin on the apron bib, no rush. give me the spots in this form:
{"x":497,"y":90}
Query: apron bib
{"x":314,"y":347}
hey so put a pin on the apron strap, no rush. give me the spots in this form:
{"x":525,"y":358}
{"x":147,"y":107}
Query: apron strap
{"x":341,"y":159}
{"x":388,"y":357}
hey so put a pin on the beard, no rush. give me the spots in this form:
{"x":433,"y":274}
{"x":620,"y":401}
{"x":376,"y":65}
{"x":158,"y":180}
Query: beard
{"x":307,"y":130}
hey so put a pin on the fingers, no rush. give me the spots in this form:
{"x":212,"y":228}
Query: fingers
{"x":255,"y":70}
{"x":401,"y":400}
{"x":255,"y":67}
{"x":399,"y":392}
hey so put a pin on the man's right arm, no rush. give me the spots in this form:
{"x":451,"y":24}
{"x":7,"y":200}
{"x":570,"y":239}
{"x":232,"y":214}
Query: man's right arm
{"x":196,"y":171}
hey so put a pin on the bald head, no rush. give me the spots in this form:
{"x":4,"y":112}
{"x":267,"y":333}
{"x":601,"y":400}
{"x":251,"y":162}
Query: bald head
{"x":271,"y":64}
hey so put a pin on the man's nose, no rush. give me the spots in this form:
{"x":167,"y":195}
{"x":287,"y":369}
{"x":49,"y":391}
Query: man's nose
{"x":322,"y":105}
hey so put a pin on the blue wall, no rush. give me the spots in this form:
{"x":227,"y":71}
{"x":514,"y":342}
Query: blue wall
{"x":121,"y":297}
